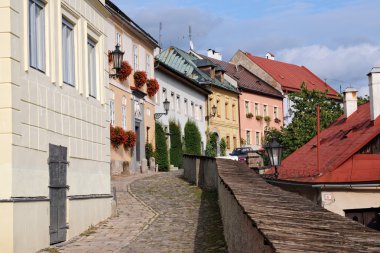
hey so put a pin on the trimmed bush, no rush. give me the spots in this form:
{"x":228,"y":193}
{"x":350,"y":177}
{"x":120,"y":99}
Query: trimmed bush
{"x":211,"y":147}
{"x":223,"y":146}
{"x":193,"y":139}
{"x":176,"y":152}
{"x":149,"y":150}
{"x":161,"y":149}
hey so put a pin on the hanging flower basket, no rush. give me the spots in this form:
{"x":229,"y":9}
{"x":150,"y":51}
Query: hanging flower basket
{"x":130,"y":139}
{"x":277,"y":120}
{"x":152,"y":87}
{"x":140,"y":78}
{"x":117,"y":136}
{"x":259,"y":118}
{"x":249,"y":115}
{"x":267,"y":119}
{"x":125,"y":71}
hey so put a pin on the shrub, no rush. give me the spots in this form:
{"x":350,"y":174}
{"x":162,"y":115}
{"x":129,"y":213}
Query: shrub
{"x":193,"y":139}
{"x":223,"y":146}
{"x":211,"y":147}
{"x":149,"y":152}
{"x":175,"y":145}
{"x":161,"y":149}
{"x":140,"y":78}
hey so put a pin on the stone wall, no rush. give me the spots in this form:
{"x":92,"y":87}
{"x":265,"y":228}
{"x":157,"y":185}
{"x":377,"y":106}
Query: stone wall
{"x":201,"y":171}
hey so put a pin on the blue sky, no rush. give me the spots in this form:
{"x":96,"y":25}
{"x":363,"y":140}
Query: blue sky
{"x":338,"y":40}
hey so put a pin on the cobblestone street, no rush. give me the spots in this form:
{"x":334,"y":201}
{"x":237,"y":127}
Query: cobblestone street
{"x":156,"y":213}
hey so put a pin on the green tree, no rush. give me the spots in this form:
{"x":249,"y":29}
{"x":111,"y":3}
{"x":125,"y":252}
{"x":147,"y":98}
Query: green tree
{"x":176,"y":152}
{"x":304,"y":122}
{"x":161,"y":149}
{"x":149,"y":152}
{"x":223,"y":146}
{"x":363,"y":100}
{"x":193,"y":139}
{"x":212,"y":143}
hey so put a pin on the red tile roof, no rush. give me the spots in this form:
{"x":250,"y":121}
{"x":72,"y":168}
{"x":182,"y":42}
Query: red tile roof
{"x":339,"y":161}
{"x":291,"y":76}
{"x":245,"y":79}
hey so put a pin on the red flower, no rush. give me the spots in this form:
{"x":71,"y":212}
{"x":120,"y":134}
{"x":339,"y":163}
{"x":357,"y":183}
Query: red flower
{"x":130,"y":139}
{"x":152,"y":87}
{"x":125,"y":71}
{"x":117,"y":136}
{"x":140,"y":78}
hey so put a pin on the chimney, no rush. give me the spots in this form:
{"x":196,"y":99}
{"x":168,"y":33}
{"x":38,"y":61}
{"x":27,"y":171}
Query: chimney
{"x":374,"y":92}
{"x":350,"y":101}
{"x":269,"y":56}
{"x":213,"y":54}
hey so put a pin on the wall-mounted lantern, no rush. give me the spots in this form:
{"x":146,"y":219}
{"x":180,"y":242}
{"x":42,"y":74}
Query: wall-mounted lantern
{"x":117,"y":59}
{"x":274,"y":151}
{"x":166,"y":108}
{"x":213,"y":111}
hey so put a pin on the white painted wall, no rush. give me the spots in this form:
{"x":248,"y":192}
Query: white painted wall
{"x":184,"y":91}
{"x":37,"y":109}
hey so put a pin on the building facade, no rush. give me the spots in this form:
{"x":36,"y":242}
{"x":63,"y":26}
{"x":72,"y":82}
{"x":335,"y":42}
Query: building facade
{"x":260,"y":105}
{"x":54,"y":167}
{"x":130,"y":108}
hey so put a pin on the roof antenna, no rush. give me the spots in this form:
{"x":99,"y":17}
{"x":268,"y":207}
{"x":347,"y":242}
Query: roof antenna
{"x":190,"y":40}
{"x":160,"y":36}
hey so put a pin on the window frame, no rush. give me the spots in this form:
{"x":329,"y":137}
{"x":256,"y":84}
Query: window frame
{"x":135,"y":58}
{"x":92,"y":86}
{"x":248,"y":136}
{"x":70,"y":62}
{"x":37,"y":51}
{"x":124,"y":113}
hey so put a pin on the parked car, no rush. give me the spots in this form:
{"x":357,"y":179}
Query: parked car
{"x":241,"y":153}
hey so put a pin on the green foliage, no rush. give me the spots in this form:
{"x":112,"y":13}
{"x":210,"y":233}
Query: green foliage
{"x":363,"y":100}
{"x":223,"y":146}
{"x":149,"y":152}
{"x":161,"y":149}
{"x":304,"y":123}
{"x":211,"y":147}
{"x":193,"y":139}
{"x":175,"y":144}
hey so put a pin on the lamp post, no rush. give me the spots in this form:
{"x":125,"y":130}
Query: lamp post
{"x":117,"y":59}
{"x":166,"y":107}
{"x":213,"y":110}
{"x":274,"y":151}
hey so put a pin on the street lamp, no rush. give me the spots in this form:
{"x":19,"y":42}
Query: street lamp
{"x":166,"y":107}
{"x":274,"y":151}
{"x":213,"y":110}
{"x":117,"y":59}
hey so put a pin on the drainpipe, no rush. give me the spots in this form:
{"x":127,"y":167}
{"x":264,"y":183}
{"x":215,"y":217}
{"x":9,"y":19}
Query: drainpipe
{"x":318,"y":141}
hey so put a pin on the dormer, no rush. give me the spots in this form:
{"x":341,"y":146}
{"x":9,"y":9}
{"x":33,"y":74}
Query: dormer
{"x":219,"y":73}
{"x":206,"y":66}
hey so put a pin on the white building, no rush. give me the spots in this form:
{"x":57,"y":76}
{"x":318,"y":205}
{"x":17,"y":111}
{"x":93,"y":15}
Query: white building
{"x":54,"y":127}
{"x":187,"y":97}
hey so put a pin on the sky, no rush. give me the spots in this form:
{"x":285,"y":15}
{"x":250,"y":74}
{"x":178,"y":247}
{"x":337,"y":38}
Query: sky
{"x":339,"y":40}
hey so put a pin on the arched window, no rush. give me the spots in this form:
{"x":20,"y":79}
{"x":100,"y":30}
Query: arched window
{"x":124,"y":112}
{"x":112,"y":109}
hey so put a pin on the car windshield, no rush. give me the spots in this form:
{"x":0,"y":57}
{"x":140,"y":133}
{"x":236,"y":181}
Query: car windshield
{"x":241,"y":151}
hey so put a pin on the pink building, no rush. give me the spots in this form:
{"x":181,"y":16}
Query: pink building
{"x":260,"y":105}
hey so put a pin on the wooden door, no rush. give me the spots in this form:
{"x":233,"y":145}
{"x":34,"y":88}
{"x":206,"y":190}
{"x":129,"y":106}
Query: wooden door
{"x":57,"y":191}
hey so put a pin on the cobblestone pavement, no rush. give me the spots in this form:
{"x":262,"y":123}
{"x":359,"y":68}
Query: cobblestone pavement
{"x":157,"y":213}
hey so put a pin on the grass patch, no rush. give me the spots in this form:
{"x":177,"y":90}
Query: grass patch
{"x":50,"y":250}
{"x":91,"y":230}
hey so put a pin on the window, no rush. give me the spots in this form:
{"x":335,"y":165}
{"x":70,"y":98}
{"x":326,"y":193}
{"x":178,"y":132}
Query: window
{"x":248,"y":137}
{"x":200,"y":113}
{"x":172,"y":101}
{"x":37,"y":34}
{"x":164,"y":95}
{"x":112,"y":110}
{"x":178,"y":104}
{"x":186,"y":106}
{"x":226,"y":111}
{"x":91,"y":68}
{"x":233,"y":112}
{"x":68,"y":52}
{"x":246,"y":107}
{"x":192,"y":110}
{"x":256,"y":109}
{"x":124,"y":113}
{"x":135,"y":58}
{"x":275,"y":112}
{"x":235,"y":142}
{"x":147,"y":66}
{"x":118,"y":38}
{"x":228,"y":142}
{"x":265,"y":110}
{"x":258,"y":138}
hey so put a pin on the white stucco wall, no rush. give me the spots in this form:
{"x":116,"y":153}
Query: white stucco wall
{"x":37,"y":109}
{"x":184,"y":91}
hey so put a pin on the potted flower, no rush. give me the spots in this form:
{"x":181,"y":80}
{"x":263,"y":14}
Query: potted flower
{"x":267,"y":119}
{"x":152,"y":87}
{"x":117,"y":136}
{"x":259,"y":117}
{"x":130,"y":139}
{"x":249,"y":115}
{"x":140,"y":78}
{"x":124,"y":71}
{"x":277,"y":120}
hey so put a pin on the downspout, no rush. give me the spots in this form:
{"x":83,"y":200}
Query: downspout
{"x":318,"y":141}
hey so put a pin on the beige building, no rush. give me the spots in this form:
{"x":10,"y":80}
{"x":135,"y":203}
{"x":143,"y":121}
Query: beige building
{"x":54,"y":130}
{"x":130,"y":108}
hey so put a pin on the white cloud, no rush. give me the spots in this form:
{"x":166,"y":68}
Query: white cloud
{"x":344,"y":65}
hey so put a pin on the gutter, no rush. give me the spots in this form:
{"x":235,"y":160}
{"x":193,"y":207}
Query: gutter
{"x":321,"y":186}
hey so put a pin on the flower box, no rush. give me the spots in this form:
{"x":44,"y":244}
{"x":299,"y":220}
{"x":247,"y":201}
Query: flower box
{"x":249,"y":115}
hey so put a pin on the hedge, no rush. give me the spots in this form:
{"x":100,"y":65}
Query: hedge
{"x":223,"y":146}
{"x":193,"y":139}
{"x":161,"y":149}
{"x":211,"y":147}
{"x":176,"y":152}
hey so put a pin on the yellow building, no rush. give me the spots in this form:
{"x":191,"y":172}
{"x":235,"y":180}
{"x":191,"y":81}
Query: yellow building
{"x":131,"y":109}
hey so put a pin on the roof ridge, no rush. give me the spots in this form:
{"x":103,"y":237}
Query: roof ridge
{"x":308,"y":70}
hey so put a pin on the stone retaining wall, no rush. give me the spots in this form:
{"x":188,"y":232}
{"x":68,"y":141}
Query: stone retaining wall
{"x":201,"y":171}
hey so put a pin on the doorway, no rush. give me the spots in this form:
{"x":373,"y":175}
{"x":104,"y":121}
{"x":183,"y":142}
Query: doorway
{"x":138,"y":143}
